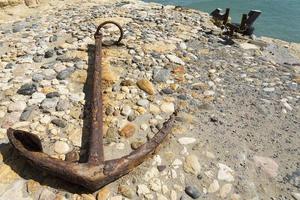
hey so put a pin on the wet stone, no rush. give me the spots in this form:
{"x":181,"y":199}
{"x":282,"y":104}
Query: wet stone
{"x":193,"y":192}
{"x":27,"y":89}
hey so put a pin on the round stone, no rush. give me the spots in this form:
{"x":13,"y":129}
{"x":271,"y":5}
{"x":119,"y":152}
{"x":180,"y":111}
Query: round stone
{"x":61,"y":147}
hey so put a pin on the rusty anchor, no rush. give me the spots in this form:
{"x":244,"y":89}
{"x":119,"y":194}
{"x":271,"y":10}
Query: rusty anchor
{"x":96,"y":172}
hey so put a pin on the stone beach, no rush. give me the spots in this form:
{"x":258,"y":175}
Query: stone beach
{"x":236,"y":135}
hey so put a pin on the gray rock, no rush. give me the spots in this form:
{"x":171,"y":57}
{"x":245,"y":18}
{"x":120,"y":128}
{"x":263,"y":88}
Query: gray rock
{"x":27,"y":89}
{"x":62,"y":105}
{"x":294,"y":178}
{"x":161,"y":75}
{"x":27,"y":113}
{"x":193,"y":192}
{"x":38,"y":77}
{"x":9,"y":66}
{"x":53,"y":38}
{"x":62,"y":75}
{"x":59,"y":122}
{"x":49,"y":103}
{"x":167,"y":91}
{"x":143,"y":102}
{"x":50,"y":53}
{"x":37,"y":58}
{"x":52,"y":94}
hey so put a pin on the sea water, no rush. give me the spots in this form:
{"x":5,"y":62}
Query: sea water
{"x":279,"y":18}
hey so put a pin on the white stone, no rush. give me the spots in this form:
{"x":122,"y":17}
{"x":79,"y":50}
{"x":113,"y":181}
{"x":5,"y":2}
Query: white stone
{"x":176,"y":163}
{"x":144,"y":127}
{"x":154,"y":109}
{"x":36,"y":98}
{"x":248,"y":46}
{"x":192,"y":165}
{"x":225,"y":190}
{"x":175,"y":59}
{"x":209,"y":93}
{"x":45,"y":119}
{"x":17,"y":106}
{"x":287,"y":106}
{"x":186,"y":140}
{"x":126,"y":110}
{"x":142,"y":189}
{"x":167,"y":107}
{"x":161,"y":197}
{"x":225,"y":173}
{"x":61,"y":147}
{"x":173,"y":195}
{"x":152,"y":173}
{"x":155,"y":184}
{"x":213,"y":187}
{"x":269,"y":89}
{"x":156,"y":160}
{"x":183,"y":45}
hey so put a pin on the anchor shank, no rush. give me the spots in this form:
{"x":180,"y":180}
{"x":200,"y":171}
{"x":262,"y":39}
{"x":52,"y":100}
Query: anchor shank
{"x":96,"y":154}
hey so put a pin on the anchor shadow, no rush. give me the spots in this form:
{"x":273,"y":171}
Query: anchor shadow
{"x":20,"y":165}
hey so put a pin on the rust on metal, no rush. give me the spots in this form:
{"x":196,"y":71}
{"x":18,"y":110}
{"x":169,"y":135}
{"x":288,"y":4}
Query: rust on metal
{"x":96,"y":172}
{"x":246,"y":25}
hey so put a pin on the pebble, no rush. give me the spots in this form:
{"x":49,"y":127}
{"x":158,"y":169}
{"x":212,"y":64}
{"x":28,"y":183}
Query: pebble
{"x":103,"y":194}
{"x":16,"y":106}
{"x":225,"y":190}
{"x":186,"y":140}
{"x":26,"y":113}
{"x":59,"y":122}
{"x":142,"y":189}
{"x":167,"y":107}
{"x":155,"y":184}
{"x":225,"y":173}
{"x":128,"y":130}
{"x":175,"y":59}
{"x":62,"y":105}
{"x":143,"y":102}
{"x":48,"y":104}
{"x":61,"y":147}
{"x":192,"y":165}
{"x":27,"y":89}
{"x":49,"y":53}
{"x":268,"y":165}
{"x":269,"y":89}
{"x":36,"y":98}
{"x":126,"y":110}
{"x":52,"y":94}
{"x":126,"y":191}
{"x":193,"y":192}
{"x":161,"y":75}
{"x":146,"y":86}
{"x":213,"y":187}
{"x":64,"y":74}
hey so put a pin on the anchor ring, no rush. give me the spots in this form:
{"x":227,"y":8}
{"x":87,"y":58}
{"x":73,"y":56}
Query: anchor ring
{"x":98,"y":32}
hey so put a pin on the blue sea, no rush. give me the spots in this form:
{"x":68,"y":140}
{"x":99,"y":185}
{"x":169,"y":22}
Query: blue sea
{"x":279,"y":19}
